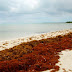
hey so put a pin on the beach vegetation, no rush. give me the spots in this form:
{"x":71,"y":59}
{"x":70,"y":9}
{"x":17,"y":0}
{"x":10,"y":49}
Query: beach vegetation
{"x":69,"y":22}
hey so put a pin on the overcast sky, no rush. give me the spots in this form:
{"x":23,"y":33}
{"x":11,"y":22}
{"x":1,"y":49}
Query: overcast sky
{"x":35,"y":11}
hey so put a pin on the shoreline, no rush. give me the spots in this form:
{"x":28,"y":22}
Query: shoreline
{"x":64,"y":63}
{"x":11,"y":43}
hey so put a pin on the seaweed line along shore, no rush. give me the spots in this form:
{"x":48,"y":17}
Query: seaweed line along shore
{"x":48,"y":52}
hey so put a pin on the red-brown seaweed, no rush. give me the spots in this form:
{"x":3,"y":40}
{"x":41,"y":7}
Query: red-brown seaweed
{"x":44,"y":56}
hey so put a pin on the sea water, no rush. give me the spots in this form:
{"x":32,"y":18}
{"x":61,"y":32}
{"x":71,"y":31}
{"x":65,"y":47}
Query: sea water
{"x":11,"y":31}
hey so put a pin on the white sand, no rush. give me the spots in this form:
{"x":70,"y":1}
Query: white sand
{"x":10,"y":43}
{"x":65,"y":58}
{"x":65,"y":62}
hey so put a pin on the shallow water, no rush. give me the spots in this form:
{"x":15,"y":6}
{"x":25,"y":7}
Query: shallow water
{"x":10,"y":31}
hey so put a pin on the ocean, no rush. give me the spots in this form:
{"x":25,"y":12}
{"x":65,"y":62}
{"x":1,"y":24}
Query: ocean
{"x":12,"y":31}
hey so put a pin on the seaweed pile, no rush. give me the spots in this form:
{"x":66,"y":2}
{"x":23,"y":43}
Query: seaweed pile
{"x":35,"y":56}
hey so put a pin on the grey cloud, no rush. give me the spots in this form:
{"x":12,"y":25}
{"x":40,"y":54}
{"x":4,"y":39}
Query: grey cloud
{"x":45,"y":6}
{"x":64,"y":6}
{"x":17,"y":11}
{"x":4,"y":5}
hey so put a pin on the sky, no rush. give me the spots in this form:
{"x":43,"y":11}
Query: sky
{"x":35,"y":11}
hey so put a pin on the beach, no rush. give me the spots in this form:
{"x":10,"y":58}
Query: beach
{"x":35,"y":35}
{"x":10,"y":43}
{"x":64,"y":63}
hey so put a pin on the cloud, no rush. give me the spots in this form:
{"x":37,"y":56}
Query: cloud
{"x":3,"y":5}
{"x":28,"y":6}
{"x":29,"y":11}
{"x":18,"y":5}
{"x":64,"y":6}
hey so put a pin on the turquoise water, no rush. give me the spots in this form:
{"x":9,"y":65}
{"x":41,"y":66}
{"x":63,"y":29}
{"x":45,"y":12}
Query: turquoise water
{"x":10,"y":31}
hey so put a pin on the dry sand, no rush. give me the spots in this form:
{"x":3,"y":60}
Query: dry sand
{"x":65,"y":63}
{"x":10,"y":43}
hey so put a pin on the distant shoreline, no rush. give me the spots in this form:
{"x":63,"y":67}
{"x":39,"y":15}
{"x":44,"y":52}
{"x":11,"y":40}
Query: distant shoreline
{"x":69,"y":22}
